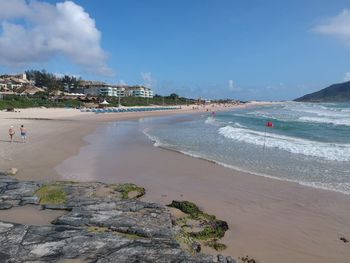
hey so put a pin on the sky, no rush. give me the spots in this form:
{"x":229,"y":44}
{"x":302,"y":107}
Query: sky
{"x":264,"y":50}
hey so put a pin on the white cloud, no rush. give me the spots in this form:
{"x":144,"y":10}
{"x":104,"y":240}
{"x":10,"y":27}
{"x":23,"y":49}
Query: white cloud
{"x":337,"y":26}
{"x":347,"y":76}
{"x":148,"y":80}
{"x":48,"y":30}
{"x":232,"y":86}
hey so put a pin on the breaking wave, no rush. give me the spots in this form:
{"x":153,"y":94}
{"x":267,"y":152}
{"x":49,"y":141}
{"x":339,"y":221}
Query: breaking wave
{"x":345,"y":122}
{"x":328,"y":151}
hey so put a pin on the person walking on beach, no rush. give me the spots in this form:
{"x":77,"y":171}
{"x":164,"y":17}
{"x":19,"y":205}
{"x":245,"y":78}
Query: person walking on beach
{"x":11,"y":133}
{"x":23,"y":133}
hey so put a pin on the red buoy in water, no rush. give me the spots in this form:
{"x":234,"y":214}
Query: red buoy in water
{"x":269,"y":124}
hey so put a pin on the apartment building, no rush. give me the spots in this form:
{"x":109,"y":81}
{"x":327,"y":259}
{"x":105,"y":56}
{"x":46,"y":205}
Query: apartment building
{"x":97,"y":89}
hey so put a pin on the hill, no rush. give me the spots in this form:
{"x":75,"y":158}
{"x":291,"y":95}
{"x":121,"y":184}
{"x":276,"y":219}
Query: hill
{"x":335,"y":93}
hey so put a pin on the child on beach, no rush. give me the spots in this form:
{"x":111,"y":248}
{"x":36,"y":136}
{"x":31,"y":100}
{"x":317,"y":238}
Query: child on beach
{"x":23,"y":133}
{"x":11,"y":133}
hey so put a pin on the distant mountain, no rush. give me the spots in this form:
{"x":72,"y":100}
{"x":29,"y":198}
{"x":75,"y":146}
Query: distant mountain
{"x":335,"y":93}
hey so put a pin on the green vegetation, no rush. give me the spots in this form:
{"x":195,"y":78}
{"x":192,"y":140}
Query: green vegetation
{"x":41,"y":100}
{"x":209,"y":232}
{"x":20,"y":102}
{"x":192,"y":210}
{"x":51,"y":81}
{"x":187,"y":207}
{"x":127,"y":189}
{"x":211,"y":229}
{"x":216,"y":245}
{"x":335,"y":93}
{"x":51,"y":194}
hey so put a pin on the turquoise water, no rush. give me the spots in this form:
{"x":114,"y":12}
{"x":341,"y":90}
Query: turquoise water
{"x":309,"y":143}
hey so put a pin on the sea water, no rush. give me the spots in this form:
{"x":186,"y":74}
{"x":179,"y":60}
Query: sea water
{"x":309,"y":143}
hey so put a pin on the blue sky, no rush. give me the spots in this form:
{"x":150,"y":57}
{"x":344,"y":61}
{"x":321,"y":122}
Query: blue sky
{"x":266,"y":50}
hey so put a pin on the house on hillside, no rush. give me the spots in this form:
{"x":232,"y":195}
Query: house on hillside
{"x":32,"y":91}
{"x":15,"y":83}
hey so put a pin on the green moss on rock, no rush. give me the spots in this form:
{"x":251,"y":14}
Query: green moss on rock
{"x":187,"y":207}
{"x":128,"y":188}
{"x":216,"y":245}
{"x":211,"y":229}
{"x":51,"y":194}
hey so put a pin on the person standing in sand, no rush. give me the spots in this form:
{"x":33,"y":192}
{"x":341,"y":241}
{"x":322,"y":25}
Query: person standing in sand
{"x":11,"y":133}
{"x":23,"y":133}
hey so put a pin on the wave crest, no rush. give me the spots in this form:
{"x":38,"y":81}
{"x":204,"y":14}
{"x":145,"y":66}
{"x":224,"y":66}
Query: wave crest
{"x":328,"y":151}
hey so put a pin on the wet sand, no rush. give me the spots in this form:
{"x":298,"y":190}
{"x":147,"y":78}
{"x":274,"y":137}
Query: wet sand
{"x":270,"y":220}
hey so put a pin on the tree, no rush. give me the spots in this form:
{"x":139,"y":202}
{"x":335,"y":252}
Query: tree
{"x":173,"y":96}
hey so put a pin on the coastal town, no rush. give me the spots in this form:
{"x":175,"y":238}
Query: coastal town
{"x":20,"y":84}
{"x":35,"y":88}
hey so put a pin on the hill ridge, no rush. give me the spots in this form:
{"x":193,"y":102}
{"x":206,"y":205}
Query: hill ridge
{"x":339,"y":92}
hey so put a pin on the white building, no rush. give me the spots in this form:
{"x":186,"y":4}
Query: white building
{"x":117,"y":91}
{"x":140,"y":91}
{"x":112,"y":91}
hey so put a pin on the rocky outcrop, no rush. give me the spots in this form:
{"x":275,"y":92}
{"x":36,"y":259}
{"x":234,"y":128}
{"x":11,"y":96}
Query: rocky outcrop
{"x":93,"y":228}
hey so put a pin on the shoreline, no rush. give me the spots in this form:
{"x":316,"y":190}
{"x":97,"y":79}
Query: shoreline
{"x":67,"y":127}
{"x":270,"y":220}
{"x":237,"y":169}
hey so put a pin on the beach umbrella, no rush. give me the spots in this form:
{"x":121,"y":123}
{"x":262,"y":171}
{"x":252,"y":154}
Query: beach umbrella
{"x":103,"y":104}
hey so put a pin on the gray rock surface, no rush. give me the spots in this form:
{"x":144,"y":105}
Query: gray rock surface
{"x":4,"y":205}
{"x":101,"y":230}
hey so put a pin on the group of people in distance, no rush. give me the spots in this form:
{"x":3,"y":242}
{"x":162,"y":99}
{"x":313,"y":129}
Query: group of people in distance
{"x":23,"y":132}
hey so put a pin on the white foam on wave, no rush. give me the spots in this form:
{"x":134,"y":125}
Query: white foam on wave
{"x":215,"y":121}
{"x":211,"y":120}
{"x":343,"y":188}
{"x":328,"y":151}
{"x":334,"y":121}
{"x":237,"y":124}
{"x":319,"y":110}
{"x":155,"y":140}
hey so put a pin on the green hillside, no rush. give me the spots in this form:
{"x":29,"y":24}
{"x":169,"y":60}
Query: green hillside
{"x":335,"y":93}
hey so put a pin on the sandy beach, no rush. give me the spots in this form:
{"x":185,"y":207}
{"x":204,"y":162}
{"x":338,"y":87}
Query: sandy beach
{"x":56,"y":134}
{"x":270,"y":220}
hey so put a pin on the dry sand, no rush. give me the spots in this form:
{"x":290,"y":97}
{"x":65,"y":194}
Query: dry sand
{"x":270,"y":220}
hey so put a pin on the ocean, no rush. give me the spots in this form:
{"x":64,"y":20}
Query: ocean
{"x":309,"y":143}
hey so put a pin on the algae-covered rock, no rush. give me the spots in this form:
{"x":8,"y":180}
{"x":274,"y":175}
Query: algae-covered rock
{"x":92,"y":229}
{"x":51,"y":194}
{"x":199,"y":226}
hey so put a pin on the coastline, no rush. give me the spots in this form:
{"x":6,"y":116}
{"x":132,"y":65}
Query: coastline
{"x":55,"y":134}
{"x":270,"y":220}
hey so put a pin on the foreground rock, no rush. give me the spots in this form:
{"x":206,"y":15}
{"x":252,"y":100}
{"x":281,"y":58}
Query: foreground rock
{"x":113,"y":228}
